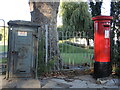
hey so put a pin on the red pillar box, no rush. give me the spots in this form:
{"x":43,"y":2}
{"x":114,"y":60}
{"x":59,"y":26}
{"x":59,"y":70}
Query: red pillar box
{"x":102,"y":66}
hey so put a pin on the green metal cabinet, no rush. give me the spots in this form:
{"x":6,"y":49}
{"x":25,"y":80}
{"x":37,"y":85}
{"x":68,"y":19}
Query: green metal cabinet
{"x":22,"y":49}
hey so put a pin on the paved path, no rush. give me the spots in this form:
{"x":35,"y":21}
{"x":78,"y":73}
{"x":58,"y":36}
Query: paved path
{"x":85,"y":81}
{"x":19,"y":83}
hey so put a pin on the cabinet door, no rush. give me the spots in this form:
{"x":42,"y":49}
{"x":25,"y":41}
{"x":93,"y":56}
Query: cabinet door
{"x":23,"y":50}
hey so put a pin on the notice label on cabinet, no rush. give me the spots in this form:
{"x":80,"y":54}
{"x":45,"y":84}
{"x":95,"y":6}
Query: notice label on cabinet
{"x":107,"y":34}
{"x":22,"y":33}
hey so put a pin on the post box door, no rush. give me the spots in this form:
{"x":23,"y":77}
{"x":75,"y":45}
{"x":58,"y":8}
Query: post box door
{"x":23,"y":52}
{"x":105,"y":55}
{"x":102,"y":41}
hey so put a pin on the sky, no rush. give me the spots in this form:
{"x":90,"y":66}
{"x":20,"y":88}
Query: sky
{"x":14,"y":10}
{"x":106,"y":7}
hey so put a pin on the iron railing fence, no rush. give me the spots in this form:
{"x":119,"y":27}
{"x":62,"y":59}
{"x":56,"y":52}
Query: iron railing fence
{"x":3,"y":46}
{"x":73,"y":49}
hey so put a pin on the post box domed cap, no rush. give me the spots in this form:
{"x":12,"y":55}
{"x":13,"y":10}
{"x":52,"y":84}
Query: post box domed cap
{"x":102,"y":18}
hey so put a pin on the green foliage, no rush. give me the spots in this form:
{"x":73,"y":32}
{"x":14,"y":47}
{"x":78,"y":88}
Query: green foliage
{"x":76,"y":16}
{"x":46,"y":68}
{"x":41,"y":56}
{"x":81,"y":18}
{"x":117,"y":70}
{"x":96,"y":7}
{"x":67,"y":11}
{"x":115,"y":49}
{"x":116,"y":54}
{"x":42,"y":66}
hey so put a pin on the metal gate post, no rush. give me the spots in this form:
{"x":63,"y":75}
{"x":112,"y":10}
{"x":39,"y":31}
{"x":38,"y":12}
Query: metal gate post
{"x":4,"y":35}
{"x":46,"y":34}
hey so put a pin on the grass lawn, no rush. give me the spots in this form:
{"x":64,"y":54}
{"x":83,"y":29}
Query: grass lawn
{"x":76,"y":58}
{"x":66,"y":48}
{"x":2,"y":48}
{"x":3,"y":61}
{"x":75,"y":55}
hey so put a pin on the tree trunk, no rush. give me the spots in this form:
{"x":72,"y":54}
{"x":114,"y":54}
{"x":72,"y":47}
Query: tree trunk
{"x":46,"y":13}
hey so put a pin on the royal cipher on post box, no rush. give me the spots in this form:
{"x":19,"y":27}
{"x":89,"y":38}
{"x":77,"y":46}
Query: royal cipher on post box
{"x":102,"y":65}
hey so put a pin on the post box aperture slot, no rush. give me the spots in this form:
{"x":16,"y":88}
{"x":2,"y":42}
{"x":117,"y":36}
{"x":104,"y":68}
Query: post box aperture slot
{"x":106,"y":25}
